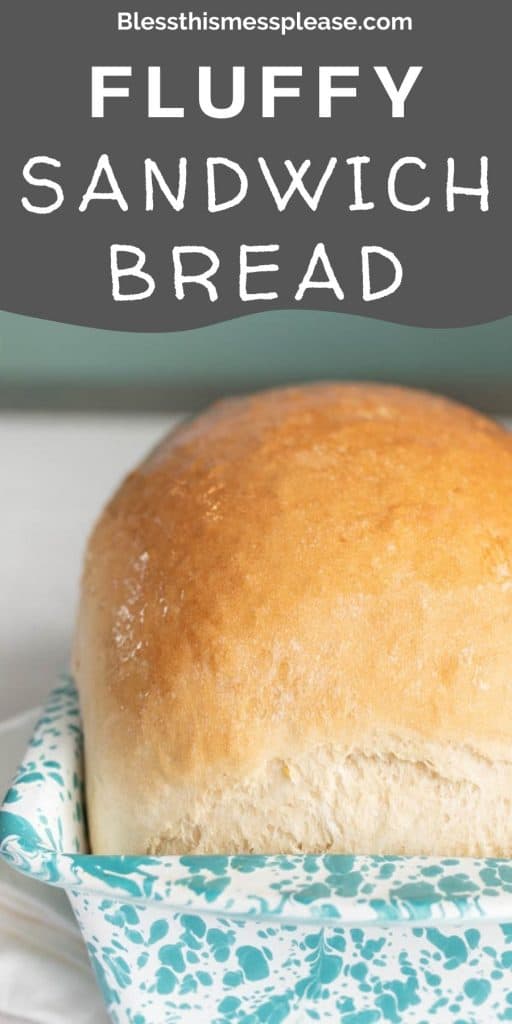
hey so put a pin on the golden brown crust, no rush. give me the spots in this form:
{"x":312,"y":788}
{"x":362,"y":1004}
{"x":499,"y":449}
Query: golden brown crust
{"x":314,"y":565}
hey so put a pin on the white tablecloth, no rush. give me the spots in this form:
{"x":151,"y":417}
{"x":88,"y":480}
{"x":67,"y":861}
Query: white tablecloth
{"x":45,"y":975}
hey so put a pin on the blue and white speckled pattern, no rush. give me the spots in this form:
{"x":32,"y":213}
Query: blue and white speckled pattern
{"x":262,"y":940}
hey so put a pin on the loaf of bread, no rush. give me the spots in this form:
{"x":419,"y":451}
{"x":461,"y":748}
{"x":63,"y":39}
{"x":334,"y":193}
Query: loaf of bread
{"x":295,"y":632}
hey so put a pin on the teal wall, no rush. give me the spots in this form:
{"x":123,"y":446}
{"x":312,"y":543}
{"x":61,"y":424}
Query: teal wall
{"x":44,"y":364}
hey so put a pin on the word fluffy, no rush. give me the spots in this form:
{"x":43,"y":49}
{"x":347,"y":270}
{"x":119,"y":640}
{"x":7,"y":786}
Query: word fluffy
{"x":276,"y":83}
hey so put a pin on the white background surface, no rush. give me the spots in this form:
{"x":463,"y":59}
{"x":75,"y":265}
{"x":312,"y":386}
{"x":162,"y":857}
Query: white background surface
{"x":57,"y":472}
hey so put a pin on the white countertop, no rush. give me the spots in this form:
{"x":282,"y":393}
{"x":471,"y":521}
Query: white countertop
{"x":57,"y":472}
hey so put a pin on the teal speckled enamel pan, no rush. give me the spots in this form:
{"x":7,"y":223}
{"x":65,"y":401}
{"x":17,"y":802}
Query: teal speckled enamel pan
{"x":262,"y":940}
